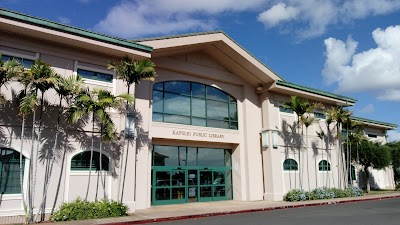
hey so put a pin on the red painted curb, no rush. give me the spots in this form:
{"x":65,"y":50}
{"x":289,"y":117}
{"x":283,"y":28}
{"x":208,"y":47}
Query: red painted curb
{"x":157,"y":220}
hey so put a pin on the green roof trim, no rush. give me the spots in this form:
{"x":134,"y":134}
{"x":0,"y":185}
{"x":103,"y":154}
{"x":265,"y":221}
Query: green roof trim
{"x":373,"y":121}
{"x":315,"y":91}
{"x":72,"y":30}
{"x":205,"y":33}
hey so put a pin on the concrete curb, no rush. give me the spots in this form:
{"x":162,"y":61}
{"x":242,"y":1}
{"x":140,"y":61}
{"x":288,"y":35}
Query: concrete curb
{"x":157,"y":220}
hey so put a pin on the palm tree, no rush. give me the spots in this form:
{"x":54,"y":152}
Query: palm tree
{"x":9,"y":70}
{"x":96,"y":103}
{"x":132,"y":72}
{"x":329,"y":118}
{"x":66,"y":88}
{"x":39,"y":78}
{"x":355,"y":135}
{"x":301,"y":107}
{"x":340,"y":115}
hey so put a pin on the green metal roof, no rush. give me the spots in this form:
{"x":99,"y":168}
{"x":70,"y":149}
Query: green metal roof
{"x":373,"y":121}
{"x":72,"y":30}
{"x":315,"y":91}
{"x":205,"y":33}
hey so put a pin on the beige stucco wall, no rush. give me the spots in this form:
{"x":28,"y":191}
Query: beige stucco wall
{"x":65,"y":185}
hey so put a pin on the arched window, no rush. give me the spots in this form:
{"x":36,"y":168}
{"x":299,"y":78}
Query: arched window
{"x":324,"y":165}
{"x":290,"y":164}
{"x":9,"y":171}
{"x":193,"y":103}
{"x":81,"y":161}
{"x":353,"y":173}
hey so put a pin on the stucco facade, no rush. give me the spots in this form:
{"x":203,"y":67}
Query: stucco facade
{"x":210,"y":59}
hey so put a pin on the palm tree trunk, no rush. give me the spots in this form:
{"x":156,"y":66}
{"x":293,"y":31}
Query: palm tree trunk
{"x":50,"y":170}
{"x":91,"y":159}
{"x":102,"y":181}
{"x":368,"y":186}
{"x":20,"y":165}
{"x":30,"y":177}
{"x":308,"y":168}
{"x":123,"y":154}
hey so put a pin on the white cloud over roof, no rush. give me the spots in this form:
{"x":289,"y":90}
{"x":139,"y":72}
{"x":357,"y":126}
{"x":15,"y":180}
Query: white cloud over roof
{"x":376,"y":70}
{"x":136,"y":18}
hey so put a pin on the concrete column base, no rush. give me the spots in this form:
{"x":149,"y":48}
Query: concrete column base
{"x":273,"y":196}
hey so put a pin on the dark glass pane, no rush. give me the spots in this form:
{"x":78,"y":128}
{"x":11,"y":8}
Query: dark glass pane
{"x":166,"y":156}
{"x":199,"y":122}
{"x":219,"y":177}
{"x":216,"y":94}
{"x":163,"y":178}
{"x":163,"y":194}
{"x":158,"y":117}
{"x":176,"y":119}
{"x":179,"y":87}
{"x":178,"y":193}
{"x":199,"y":107}
{"x":233,"y":114}
{"x":234,"y":125}
{"x":206,"y":177}
{"x":158,"y":86}
{"x":191,"y":156}
{"x":27,"y":63}
{"x":176,"y":104}
{"x":192,"y":177}
{"x":285,"y":110}
{"x":198,"y":90}
{"x":178,"y":178}
{"x":211,"y":157}
{"x":157,"y":101}
{"x":219,"y":191}
{"x":82,"y":161}
{"x":182,"y":156}
{"x":231,"y":99}
{"x":9,"y":180}
{"x":218,"y":124}
{"x":217,"y":110}
{"x":205,"y":192}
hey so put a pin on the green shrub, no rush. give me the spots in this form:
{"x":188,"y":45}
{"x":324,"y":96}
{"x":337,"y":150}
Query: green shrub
{"x":322,"y":193}
{"x":82,"y":210}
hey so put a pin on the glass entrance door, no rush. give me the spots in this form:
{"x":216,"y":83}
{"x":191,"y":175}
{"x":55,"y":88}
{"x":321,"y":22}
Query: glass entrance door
{"x":169,"y":186}
{"x":189,"y":174}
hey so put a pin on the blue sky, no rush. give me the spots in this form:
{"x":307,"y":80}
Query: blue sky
{"x":348,"y":47}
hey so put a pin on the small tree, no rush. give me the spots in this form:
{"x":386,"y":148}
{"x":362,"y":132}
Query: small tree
{"x":374,"y":155}
{"x":395,"y":151}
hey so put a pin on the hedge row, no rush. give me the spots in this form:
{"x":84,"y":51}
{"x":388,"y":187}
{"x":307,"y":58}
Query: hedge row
{"x":82,"y":210}
{"x":322,"y":193}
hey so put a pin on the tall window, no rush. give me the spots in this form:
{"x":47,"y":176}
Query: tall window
{"x":324,"y":165}
{"x":290,"y":164}
{"x":81,"y":161}
{"x":9,"y":171}
{"x":194,"y":104}
{"x":27,"y":63}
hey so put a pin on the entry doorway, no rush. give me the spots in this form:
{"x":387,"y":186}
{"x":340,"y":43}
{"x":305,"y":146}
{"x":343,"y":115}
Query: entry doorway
{"x":190,"y":181}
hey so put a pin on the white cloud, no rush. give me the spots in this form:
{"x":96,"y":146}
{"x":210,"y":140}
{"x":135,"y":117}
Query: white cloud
{"x":313,"y":17}
{"x":306,"y":18}
{"x":376,"y":70}
{"x":394,"y":135}
{"x":64,"y":20}
{"x":368,"y":109}
{"x":138,"y":18}
{"x":277,"y":14}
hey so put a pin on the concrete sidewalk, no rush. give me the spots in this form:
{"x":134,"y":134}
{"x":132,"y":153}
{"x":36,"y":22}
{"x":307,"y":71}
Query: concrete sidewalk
{"x":205,"y":209}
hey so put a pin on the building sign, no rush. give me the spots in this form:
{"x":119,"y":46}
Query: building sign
{"x":197,"y":134}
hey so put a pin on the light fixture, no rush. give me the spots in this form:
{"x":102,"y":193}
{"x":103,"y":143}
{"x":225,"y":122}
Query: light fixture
{"x":130,"y":121}
{"x":265,"y":138}
{"x":275,"y":139}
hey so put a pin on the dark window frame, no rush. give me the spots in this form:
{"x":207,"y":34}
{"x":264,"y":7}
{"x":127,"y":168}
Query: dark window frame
{"x":83,"y":164}
{"x":26,"y":63}
{"x":230,"y":122}
{"x":290,"y":165}
{"x":96,"y":75}
{"x":324,"y":166}
{"x":15,"y":187}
